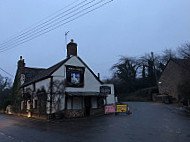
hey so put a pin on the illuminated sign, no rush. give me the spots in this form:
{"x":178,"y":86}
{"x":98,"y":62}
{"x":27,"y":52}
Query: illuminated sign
{"x":74,"y":76}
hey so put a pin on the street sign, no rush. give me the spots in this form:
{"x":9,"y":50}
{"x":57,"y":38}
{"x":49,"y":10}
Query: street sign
{"x":110,"y":109}
{"x":121,"y":108}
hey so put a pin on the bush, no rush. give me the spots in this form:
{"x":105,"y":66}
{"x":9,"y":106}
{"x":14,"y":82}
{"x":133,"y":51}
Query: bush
{"x":140,"y":95}
{"x":184,"y":90}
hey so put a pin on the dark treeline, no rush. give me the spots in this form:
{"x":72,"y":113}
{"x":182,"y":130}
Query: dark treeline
{"x":132,"y":74}
{"x":5,"y":92}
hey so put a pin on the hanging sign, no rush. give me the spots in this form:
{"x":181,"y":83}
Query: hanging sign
{"x":105,"y":89}
{"x":74,"y":76}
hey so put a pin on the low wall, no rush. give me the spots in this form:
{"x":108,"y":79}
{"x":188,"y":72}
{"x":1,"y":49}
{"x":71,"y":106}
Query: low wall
{"x":70,"y":113}
{"x":96,"y":111}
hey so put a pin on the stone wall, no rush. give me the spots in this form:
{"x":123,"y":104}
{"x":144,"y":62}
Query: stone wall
{"x":70,"y":113}
{"x":97,"y":111}
{"x":171,"y":77}
{"x":81,"y":112}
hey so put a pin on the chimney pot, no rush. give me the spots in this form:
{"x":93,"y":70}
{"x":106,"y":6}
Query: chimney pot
{"x":21,"y":65}
{"x":71,"y":49}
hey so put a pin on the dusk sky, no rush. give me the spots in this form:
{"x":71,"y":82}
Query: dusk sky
{"x":121,"y":28}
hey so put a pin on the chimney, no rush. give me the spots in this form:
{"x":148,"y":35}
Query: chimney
{"x":21,"y":65}
{"x":98,"y":75}
{"x":71,"y":49}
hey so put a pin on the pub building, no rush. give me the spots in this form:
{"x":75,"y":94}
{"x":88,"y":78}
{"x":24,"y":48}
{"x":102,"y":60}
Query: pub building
{"x":69,"y":88}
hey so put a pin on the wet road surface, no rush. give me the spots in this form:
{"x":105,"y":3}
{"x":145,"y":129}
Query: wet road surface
{"x":150,"y":122}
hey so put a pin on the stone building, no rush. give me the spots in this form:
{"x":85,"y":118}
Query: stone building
{"x":176,"y":72}
{"x":69,"y":88}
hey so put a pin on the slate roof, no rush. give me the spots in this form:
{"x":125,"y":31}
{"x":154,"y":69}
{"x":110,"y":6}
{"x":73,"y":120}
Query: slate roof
{"x":90,"y":70}
{"x":36,"y":74}
{"x":40,"y":74}
{"x":184,"y":63}
{"x":30,"y":73}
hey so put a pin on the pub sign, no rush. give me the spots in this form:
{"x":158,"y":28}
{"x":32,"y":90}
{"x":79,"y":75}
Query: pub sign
{"x":105,"y":89}
{"x":74,"y":76}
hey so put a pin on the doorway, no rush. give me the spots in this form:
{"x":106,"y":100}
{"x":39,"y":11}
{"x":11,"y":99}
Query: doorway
{"x":87,"y":104}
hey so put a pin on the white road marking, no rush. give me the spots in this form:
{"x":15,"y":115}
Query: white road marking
{"x":10,"y":137}
{"x":2,"y":133}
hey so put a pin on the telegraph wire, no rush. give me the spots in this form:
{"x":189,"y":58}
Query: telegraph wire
{"x":15,"y":42}
{"x":12,"y":37}
{"x":6,"y":72}
{"x":57,"y":26}
{"x":39,"y":25}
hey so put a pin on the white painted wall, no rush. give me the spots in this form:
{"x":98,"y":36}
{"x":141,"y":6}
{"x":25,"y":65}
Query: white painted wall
{"x":94,"y":102}
{"x":77,"y":103}
{"x":91,"y":84}
{"x":69,"y":103}
{"x":22,"y":105}
{"x":60,"y":73}
{"x":111,"y":97}
{"x":43,"y":83}
{"x":28,"y":105}
{"x":48,"y":107}
{"x":59,"y":76}
{"x":35,"y":98}
{"x":63,"y":103}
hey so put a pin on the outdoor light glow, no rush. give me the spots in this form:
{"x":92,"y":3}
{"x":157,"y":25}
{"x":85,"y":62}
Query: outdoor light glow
{"x":29,"y":114}
{"x":9,"y":112}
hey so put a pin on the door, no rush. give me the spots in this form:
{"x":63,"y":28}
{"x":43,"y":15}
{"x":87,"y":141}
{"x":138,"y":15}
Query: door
{"x":87,"y":104}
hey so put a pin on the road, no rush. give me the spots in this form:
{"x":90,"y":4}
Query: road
{"x":149,"y":122}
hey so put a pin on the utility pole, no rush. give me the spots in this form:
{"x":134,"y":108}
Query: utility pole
{"x":152,"y":54}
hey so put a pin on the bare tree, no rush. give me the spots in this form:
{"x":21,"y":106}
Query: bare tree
{"x":5,"y":82}
{"x":58,"y":93}
{"x":184,"y":51}
{"x":167,"y":55}
{"x":42,"y":100}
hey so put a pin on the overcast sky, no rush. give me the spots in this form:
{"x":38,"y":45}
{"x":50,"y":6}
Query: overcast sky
{"x":121,"y":28}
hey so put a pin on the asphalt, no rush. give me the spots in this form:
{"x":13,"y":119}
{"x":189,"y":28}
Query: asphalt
{"x":149,"y":122}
